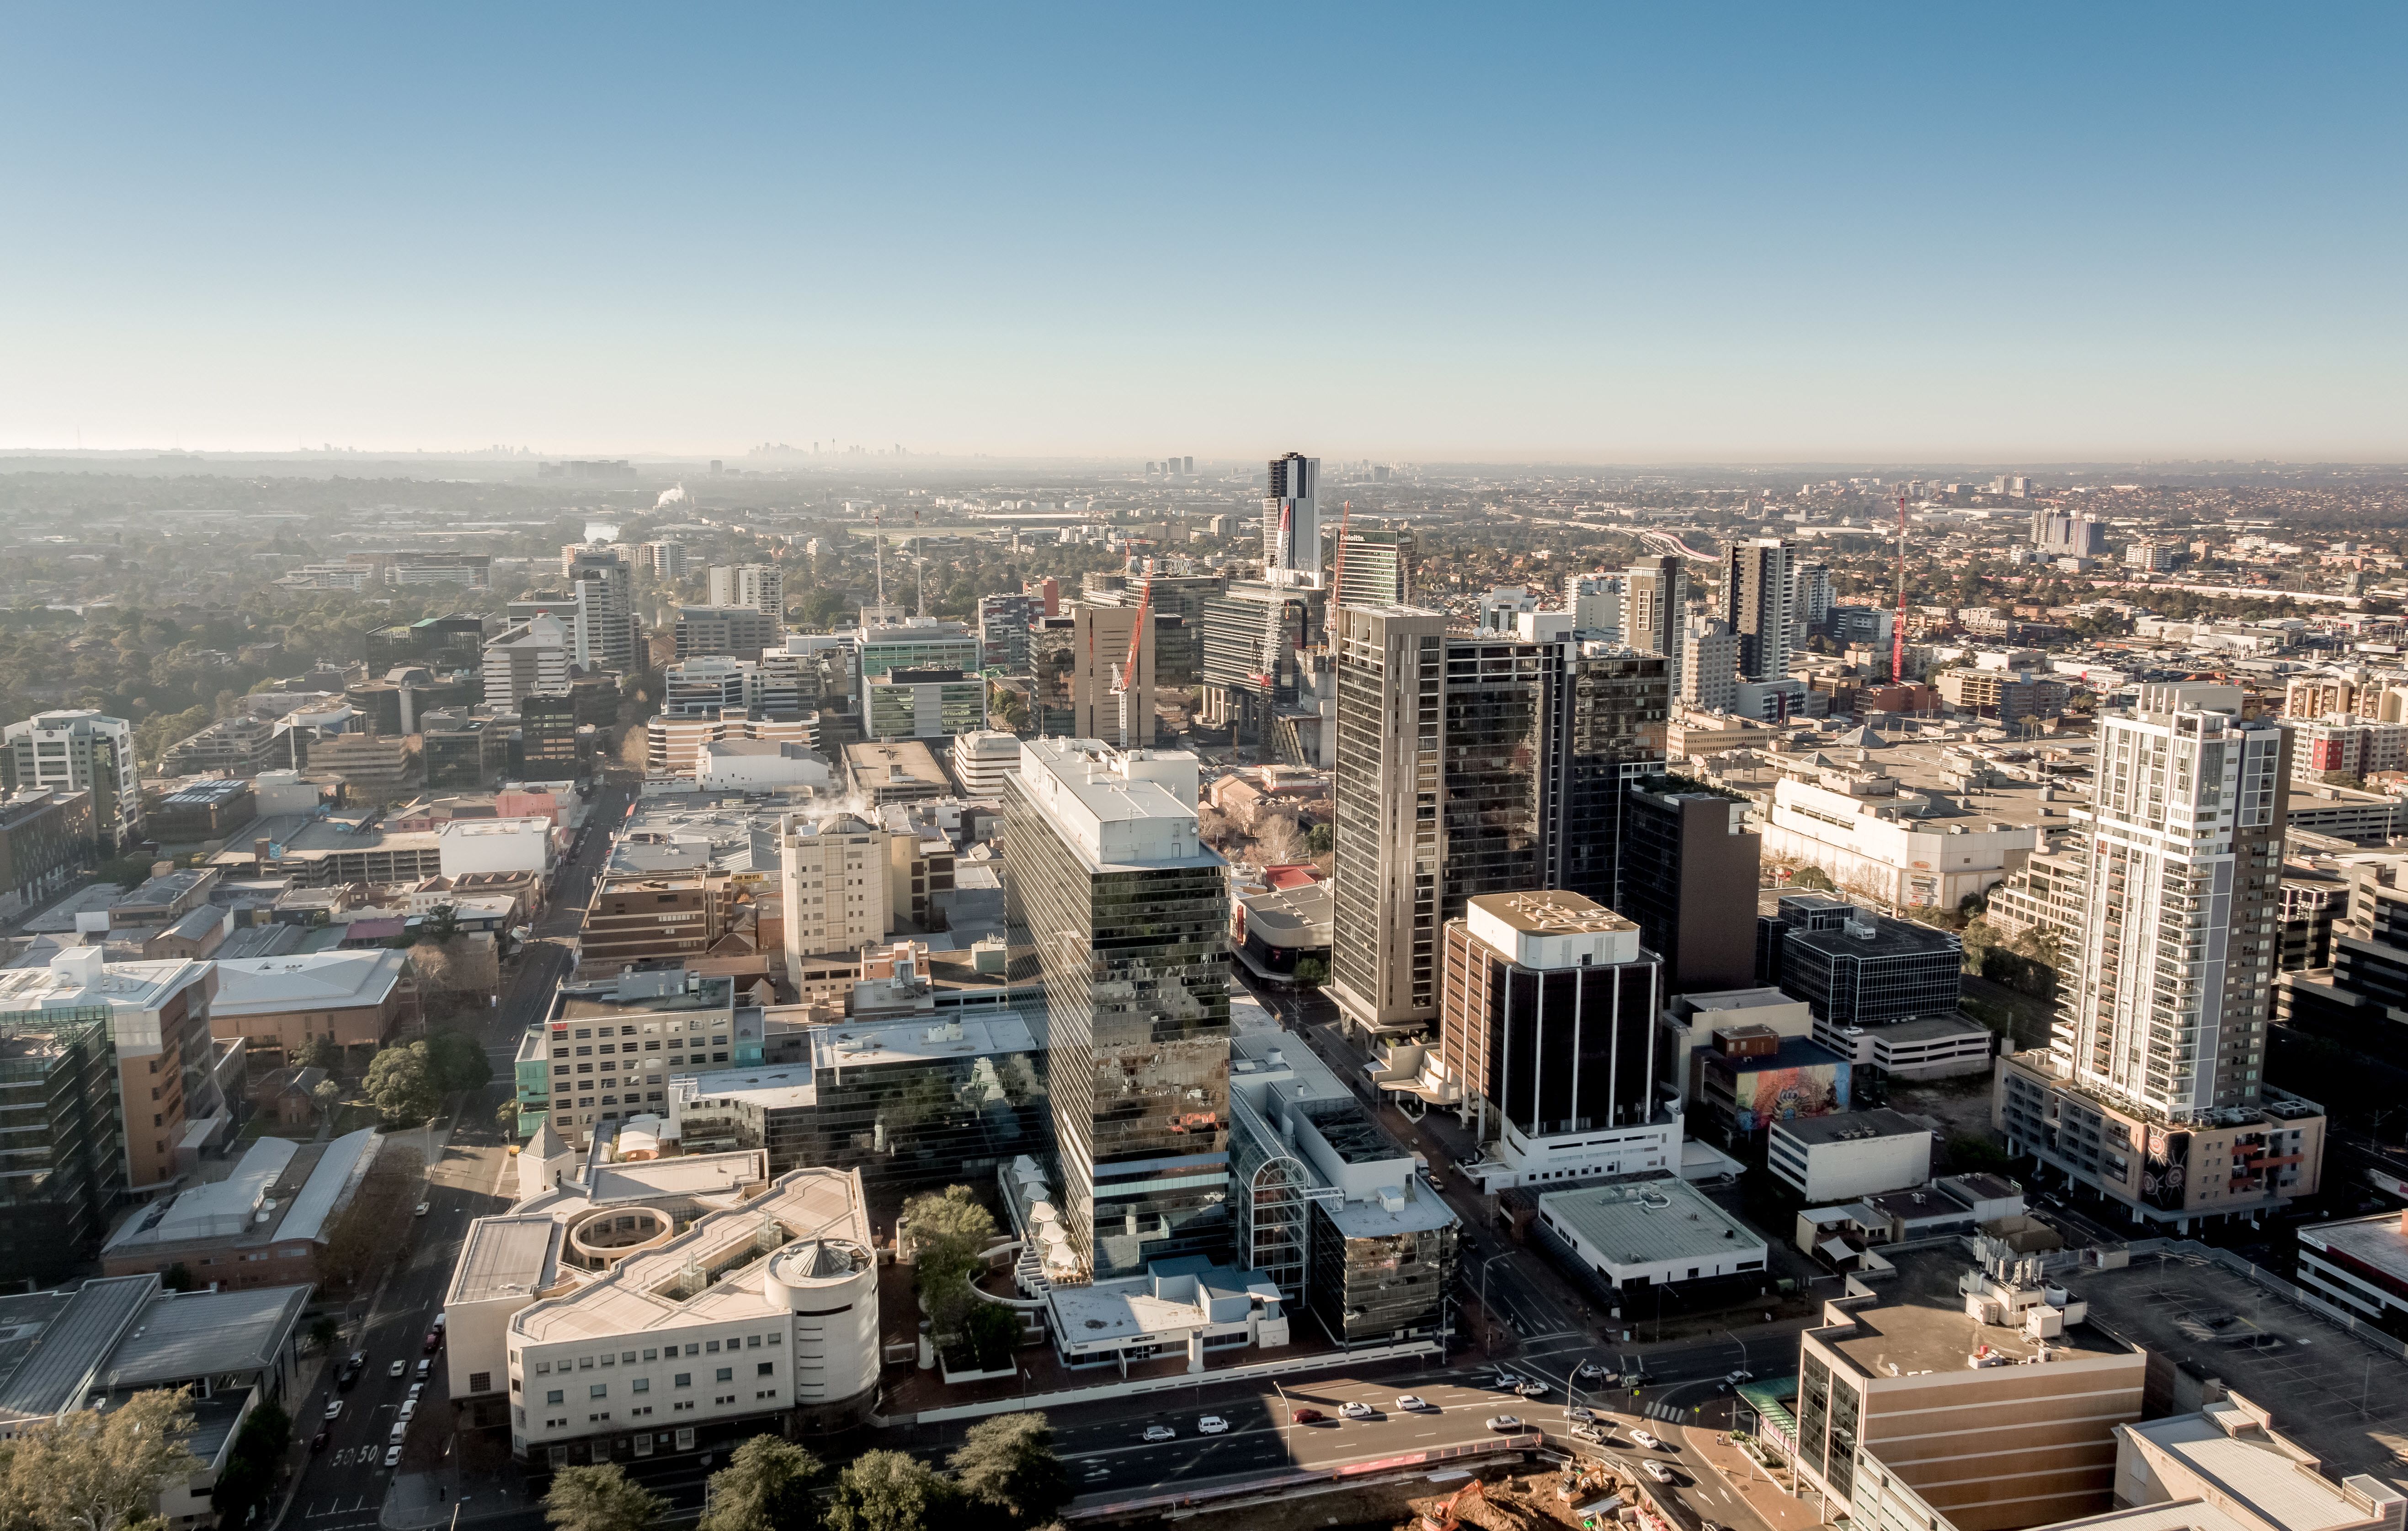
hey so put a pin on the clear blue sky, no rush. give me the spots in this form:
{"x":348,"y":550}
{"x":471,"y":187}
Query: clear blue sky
{"x":1599,"y":233}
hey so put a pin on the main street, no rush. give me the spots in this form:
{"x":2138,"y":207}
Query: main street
{"x":348,"y":1487}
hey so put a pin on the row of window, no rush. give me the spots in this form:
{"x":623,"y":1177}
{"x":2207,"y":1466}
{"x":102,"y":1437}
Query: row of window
{"x":774,"y":1338}
{"x":641,"y":1385}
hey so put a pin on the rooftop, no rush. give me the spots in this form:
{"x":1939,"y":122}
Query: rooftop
{"x":1851,"y":1126}
{"x":510,"y":1257}
{"x":1552,"y":913}
{"x":184,"y":1335}
{"x":1918,"y":1323}
{"x":78,"y":978}
{"x":307,"y":980}
{"x":964,"y":1035}
{"x":1641,"y":1222}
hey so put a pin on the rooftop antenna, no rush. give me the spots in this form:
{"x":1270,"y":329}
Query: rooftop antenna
{"x":1898,"y":626}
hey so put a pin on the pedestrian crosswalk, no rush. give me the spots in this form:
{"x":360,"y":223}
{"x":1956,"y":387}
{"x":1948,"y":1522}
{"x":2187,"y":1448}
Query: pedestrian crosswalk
{"x":1666,"y":1412}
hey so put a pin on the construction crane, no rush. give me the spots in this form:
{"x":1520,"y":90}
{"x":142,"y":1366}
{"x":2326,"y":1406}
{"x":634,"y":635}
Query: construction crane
{"x":1124,"y":675}
{"x":1444,"y":1517}
{"x":1898,"y":625}
{"x":1337,"y":575}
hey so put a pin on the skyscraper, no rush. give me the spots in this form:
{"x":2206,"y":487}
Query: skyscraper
{"x":1709,"y":664}
{"x":2160,"y":1043}
{"x":1104,"y":703}
{"x":1654,"y":606}
{"x":1292,"y":522}
{"x":1549,"y":1043}
{"x":606,"y":606}
{"x":1760,"y":603}
{"x":1813,"y":596}
{"x":1126,"y":907}
{"x":760,"y":586}
{"x":1470,"y":763}
{"x":1378,"y":567}
{"x":79,"y":749}
{"x":1688,"y":878}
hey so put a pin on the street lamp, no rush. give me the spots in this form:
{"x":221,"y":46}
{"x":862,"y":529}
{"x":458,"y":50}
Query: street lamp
{"x":1743,"y":1347}
{"x":1287,"y":1431}
{"x":1486,"y":1312}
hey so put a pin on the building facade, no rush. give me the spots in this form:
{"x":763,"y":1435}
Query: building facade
{"x":87,"y":751}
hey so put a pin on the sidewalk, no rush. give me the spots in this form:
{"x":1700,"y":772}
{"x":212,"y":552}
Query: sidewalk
{"x":419,"y":1500}
{"x":1750,"y":1482}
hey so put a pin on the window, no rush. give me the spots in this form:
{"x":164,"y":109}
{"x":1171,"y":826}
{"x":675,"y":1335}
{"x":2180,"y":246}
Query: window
{"x":775,"y":1337}
{"x":712,"y":1346}
{"x":752,"y":1342}
{"x":555,"y":1395}
{"x":651,"y":1355}
{"x":726,"y":1374}
{"x":766,"y":1369}
{"x":480,"y":1382}
{"x":683,"y":1379}
{"x":599,"y":1390}
{"x":643,"y":1385}
{"x":692,"y":1349}
{"x":585,"y":1362}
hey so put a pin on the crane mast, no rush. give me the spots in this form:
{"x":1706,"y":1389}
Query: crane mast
{"x":1897,"y":623}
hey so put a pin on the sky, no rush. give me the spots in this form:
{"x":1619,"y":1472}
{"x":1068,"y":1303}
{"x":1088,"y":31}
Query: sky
{"x":1586,"y":233}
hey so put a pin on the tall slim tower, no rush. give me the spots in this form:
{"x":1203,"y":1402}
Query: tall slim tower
{"x":2179,"y":936}
{"x":1128,"y":909}
{"x":1292,"y":522}
{"x":1760,"y":603}
{"x":1654,"y":603}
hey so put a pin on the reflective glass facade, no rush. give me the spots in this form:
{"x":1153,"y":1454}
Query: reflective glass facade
{"x":1138,"y":1007}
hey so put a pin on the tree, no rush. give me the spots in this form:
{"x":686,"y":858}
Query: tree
{"x":1312,"y":972}
{"x":993,"y":1332}
{"x":506,"y":1116}
{"x":765,"y":1486}
{"x":328,"y":1093}
{"x":602,"y":1498}
{"x":319,"y":1052}
{"x":401,"y":1086}
{"x":324,"y":1332}
{"x":1320,"y":841}
{"x":442,"y":923}
{"x":887,"y":1491}
{"x":254,"y":1464}
{"x":94,"y":1471}
{"x":1276,"y":842}
{"x":948,"y":1231}
{"x":179,"y":1278}
{"x":1810,"y":877}
{"x":1009,"y":1461}
{"x":458,"y":1060}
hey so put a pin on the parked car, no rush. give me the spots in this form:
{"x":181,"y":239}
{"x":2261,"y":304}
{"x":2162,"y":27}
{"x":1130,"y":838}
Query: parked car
{"x":392,"y":1456}
{"x":1507,"y":1423}
{"x":318,"y":1441}
{"x":425,"y":1369}
{"x":415,"y":1389}
{"x":408,"y":1410}
{"x":1656,"y":1471}
{"x":335,"y":1408}
{"x":1644,"y":1440}
{"x":399,"y":1432}
{"x":1356,"y":1410}
{"x":1160,"y":1431}
{"x":434,"y":1341}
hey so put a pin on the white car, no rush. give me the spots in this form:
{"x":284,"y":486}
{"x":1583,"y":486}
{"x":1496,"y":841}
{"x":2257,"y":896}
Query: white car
{"x":408,"y":1410}
{"x":1591,"y":1370}
{"x":1579,"y":1414}
{"x":1743,"y":1375}
{"x":396,"y":1368}
{"x":392,"y":1456}
{"x":1160,"y":1431}
{"x":1212,"y":1425}
{"x":1408,"y":1403}
{"x":1588,"y":1433}
{"x":1507,"y":1423}
{"x":1644,"y":1441}
{"x":1656,"y":1471}
{"x":1355,"y":1410}
{"x":422,"y":1207}
{"x":1509,"y":1381}
{"x":417,"y":1388}
{"x":1531,"y":1389}
{"x":335,"y":1410}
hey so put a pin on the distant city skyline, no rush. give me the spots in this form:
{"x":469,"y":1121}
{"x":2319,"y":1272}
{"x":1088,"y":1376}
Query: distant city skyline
{"x":2048,"y":234}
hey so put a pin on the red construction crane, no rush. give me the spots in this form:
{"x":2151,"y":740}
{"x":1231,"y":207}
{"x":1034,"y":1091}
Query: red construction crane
{"x":1898,"y":626}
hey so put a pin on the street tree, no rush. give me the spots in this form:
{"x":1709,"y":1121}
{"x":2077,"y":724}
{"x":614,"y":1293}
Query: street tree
{"x":94,"y":1471}
{"x":1009,"y":1461}
{"x":600,"y":1498}
{"x":887,"y":1491}
{"x":401,"y":1085}
{"x":765,"y":1486}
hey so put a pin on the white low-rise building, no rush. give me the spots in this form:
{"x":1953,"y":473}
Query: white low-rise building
{"x":469,"y":846}
{"x":645,"y":1307}
{"x":759,"y":765}
{"x":1886,"y":847}
{"x":1649,"y":1233}
{"x":984,"y":760}
{"x":1853,"y":1154}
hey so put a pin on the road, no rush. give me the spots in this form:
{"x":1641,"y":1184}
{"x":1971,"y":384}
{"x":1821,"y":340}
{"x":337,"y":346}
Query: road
{"x":346,"y":1487}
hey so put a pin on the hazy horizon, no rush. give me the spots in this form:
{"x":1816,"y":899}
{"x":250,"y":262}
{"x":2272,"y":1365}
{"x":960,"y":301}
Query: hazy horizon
{"x":1575,"y":237}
